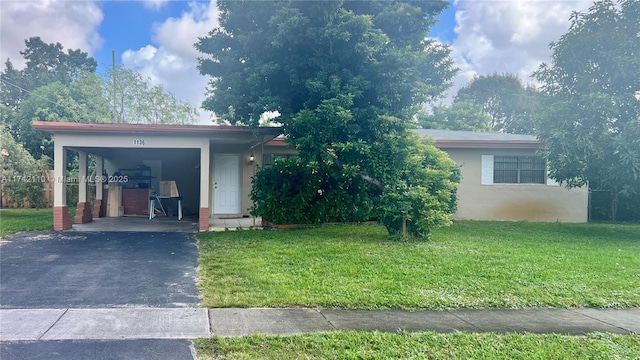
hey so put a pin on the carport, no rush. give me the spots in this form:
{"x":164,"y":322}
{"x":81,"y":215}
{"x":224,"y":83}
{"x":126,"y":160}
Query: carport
{"x":136,"y":159}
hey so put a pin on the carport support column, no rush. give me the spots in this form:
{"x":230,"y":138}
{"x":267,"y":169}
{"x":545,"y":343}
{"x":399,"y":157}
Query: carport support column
{"x":83,"y":211}
{"x":61,"y":218}
{"x":204,"y":187}
{"x":97,"y":204}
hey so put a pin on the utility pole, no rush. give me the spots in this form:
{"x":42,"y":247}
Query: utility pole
{"x":113,"y":109}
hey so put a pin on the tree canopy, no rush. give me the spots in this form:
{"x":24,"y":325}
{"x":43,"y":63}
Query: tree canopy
{"x":81,"y":101}
{"x":21,"y":175}
{"x":509,"y":104}
{"x":346,"y":77}
{"x":288,"y":56}
{"x":460,"y":115}
{"x":493,"y":103}
{"x":45,"y":64}
{"x":133,"y":99}
{"x":590,"y":120}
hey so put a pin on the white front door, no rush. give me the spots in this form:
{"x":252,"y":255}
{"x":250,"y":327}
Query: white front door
{"x":226,"y":184}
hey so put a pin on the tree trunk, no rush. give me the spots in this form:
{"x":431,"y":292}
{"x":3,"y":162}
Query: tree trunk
{"x":404,"y":227}
{"x":614,"y":205}
{"x":371,"y":180}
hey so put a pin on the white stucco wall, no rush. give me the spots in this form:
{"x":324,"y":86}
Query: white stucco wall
{"x":530,"y":202}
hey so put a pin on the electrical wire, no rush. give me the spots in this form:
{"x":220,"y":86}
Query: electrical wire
{"x":31,"y":93}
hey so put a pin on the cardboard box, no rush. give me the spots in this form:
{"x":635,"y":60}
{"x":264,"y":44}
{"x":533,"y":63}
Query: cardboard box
{"x":114,"y":200}
{"x":168,"y":188}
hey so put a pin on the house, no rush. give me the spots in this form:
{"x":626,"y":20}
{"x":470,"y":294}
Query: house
{"x":211,"y":168}
{"x":503,"y":178}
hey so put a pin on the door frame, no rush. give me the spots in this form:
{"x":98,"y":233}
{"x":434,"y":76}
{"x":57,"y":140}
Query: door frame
{"x":239,"y":184}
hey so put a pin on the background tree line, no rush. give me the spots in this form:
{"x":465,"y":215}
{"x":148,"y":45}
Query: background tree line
{"x":493,"y":103}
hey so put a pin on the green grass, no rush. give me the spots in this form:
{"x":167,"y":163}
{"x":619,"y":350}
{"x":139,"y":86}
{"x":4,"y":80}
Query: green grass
{"x":376,"y":345}
{"x":467,"y":265}
{"x":17,"y":220}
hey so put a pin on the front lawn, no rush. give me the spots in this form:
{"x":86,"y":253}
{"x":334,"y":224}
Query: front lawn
{"x":467,"y":265}
{"x":16,"y":220}
{"x":376,"y":345}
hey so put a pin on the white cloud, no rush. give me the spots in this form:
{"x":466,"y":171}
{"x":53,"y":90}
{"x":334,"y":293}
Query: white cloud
{"x":73,"y":24}
{"x":154,"y":4}
{"x":172,"y":62}
{"x":179,"y":34}
{"x":508,"y":36}
{"x":176,"y":74}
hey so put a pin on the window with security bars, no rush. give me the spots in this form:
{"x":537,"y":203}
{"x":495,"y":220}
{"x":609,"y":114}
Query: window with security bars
{"x":518,"y":169}
{"x":268,"y":159}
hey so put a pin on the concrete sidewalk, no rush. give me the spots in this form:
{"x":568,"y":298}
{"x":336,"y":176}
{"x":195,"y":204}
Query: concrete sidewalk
{"x":189,"y":323}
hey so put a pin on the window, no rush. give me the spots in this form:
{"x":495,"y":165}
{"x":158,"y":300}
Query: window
{"x":268,"y":159}
{"x":518,"y":170}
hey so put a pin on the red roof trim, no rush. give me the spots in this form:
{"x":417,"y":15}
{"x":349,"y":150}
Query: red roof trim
{"x":53,"y":127}
{"x":460,"y":144}
{"x":279,"y":141}
{"x":488,"y":144}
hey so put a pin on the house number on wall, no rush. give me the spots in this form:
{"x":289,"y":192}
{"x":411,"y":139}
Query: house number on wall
{"x":139,"y":142}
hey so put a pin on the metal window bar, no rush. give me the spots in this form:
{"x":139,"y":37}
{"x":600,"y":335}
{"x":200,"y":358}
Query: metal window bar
{"x":519,"y":170}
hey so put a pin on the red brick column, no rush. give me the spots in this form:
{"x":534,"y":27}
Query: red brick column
{"x":61,"y":218}
{"x":204,"y":219}
{"x":97,"y":205}
{"x":83,"y":213}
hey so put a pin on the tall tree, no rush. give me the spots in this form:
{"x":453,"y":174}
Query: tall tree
{"x":45,"y":64}
{"x":133,"y":99}
{"x":82,"y":102}
{"x":591,"y":118}
{"x":460,"y":115}
{"x":346,"y":78}
{"x":510,"y":104}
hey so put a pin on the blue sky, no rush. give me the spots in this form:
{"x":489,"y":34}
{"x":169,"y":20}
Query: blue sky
{"x":127,"y":25}
{"x":156,"y":37}
{"x":444,"y":28}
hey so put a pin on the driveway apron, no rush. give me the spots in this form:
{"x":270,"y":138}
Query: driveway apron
{"x":98,"y":270}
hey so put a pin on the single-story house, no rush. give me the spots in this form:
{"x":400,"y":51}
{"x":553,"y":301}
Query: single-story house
{"x":211,"y":168}
{"x":504,"y":178}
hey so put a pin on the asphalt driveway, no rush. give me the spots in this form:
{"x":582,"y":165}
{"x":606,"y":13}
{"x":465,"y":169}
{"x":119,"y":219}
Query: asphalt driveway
{"x":144,"y":349}
{"x":98,"y":270}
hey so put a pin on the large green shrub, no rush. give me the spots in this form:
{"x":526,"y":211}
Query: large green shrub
{"x":292,"y":192}
{"x":421,"y":192}
{"x":22,"y":176}
{"x":423,"y":197}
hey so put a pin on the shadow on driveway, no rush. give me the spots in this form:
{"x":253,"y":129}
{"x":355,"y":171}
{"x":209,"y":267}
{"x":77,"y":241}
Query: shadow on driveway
{"x":98,"y":270}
